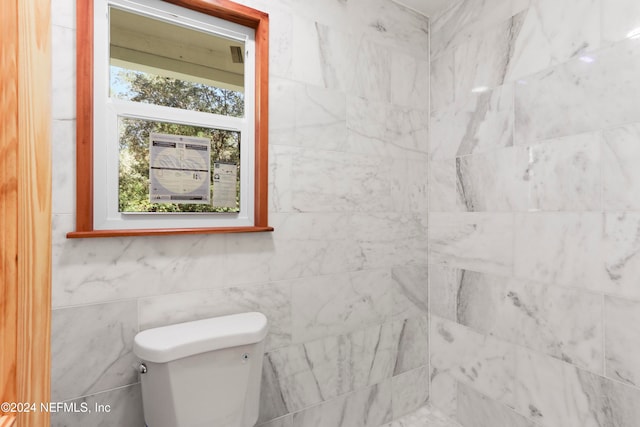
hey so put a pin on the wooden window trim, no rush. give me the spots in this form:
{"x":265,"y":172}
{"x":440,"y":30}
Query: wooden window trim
{"x":223,"y":9}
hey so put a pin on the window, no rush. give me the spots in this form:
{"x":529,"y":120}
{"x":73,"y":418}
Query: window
{"x":172,"y":118}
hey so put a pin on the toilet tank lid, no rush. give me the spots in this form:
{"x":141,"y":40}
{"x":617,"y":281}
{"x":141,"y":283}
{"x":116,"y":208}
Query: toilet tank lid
{"x":167,"y":343}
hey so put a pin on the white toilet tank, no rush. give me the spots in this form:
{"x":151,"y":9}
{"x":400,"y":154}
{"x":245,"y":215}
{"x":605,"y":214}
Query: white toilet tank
{"x":204,"y":373}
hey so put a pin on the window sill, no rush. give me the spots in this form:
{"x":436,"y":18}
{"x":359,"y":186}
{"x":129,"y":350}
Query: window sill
{"x":164,"y":232}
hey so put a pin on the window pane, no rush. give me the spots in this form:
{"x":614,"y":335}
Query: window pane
{"x":161,"y":63}
{"x":169,"y":171}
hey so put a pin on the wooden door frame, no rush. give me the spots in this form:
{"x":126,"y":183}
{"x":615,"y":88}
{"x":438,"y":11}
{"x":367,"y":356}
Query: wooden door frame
{"x":25,"y":208}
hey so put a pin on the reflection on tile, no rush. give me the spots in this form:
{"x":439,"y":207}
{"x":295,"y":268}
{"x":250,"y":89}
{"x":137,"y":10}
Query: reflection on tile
{"x":125,"y":410}
{"x":596,"y":93}
{"x":410,"y":391}
{"x":620,"y":174}
{"x":476,"y":241}
{"x":307,"y":374}
{"x":620,"y":19}
{"x":560,"y":322}
{"x":565,"y":174}
{"x":370,"y":407}
{"x":622,"y":345}
{"x":335,"y":304}
{"x":480,"y":361}
{"x":107,"y":329}
{"x":476,"y":410}
{"x":273,"y":300}
{"x":554,"y":393}
{"x":559,"y":248}
{"x":494,"y":181}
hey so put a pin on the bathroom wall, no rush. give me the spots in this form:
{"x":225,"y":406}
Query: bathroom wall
{"x":343,"y":277}
{"x":533,"y":220}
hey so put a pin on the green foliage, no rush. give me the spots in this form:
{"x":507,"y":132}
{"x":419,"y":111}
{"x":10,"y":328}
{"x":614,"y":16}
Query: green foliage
{"x":134,"y":134}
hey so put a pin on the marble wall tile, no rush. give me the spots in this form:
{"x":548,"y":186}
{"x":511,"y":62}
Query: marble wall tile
{"x":481,"y":122}
{"x":619,"y":19}
{"x":409,"y":391}
{"x":597,"y":93}
{"x":63,"y":180}
{"x":621,"y":177}
{"x":621,"y":253}
{"x":563,"y":323}
{"x":273,"y":300}
{"x":388,"y":240}
{"x":425,"y":416}
{"x":442,"y":81}
{"x":443,"y":392}
{"x":320,"y":118}
{"x":322,"y":55}
{"x":411,"y":290}
{"x":475,"y":240}
{"x":565,"y":174}
{"x":444,"y":284}
{"x":410,"y":184}
{"x":325,"y":182}
{"x":413,"y":345}
{"x":94,"y":270}
{"x":409,"y":81}
{"x":386,"y":130}
{"x":392,"y":24}
{"x":280,"y":40}
{"x":370,"y":407}
{"x":63,"y":72}
{"x":553,"y":32}
{"x":476,"y":410}
{"x":63,"y":13}
{"x":483,"y":62}
{"x":480,"y":361}
{"x":464,"y":19}
{"x":372,"y":72}
{"x":125,"y":410}
{"x":495,"y":181}
{"x":443,"y":194}
{"x":559,"y":248}
{"x":108,"y":329}
{"x":285,"y":421}
{"x":622,"y":343}
{"x":335,"y":304}
{"x":554,"y":393}
{"x":319,"y":370}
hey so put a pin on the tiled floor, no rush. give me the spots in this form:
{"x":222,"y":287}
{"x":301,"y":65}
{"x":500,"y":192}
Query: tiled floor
{"x":424,"y":417}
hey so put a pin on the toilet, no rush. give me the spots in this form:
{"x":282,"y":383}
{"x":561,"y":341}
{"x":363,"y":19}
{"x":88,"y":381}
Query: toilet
{"x":204,"y":373}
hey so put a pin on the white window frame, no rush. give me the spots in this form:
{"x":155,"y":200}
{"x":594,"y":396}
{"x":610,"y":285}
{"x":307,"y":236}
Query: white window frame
{"x":107,"y":110}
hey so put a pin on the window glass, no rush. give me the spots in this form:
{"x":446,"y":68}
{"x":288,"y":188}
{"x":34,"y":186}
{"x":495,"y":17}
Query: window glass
{"x":158,"y":175}
{"x":162,"y":63}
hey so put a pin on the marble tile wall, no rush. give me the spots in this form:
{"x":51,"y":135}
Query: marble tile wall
{"x":533,"y":213}
{"x":343,"y":279}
